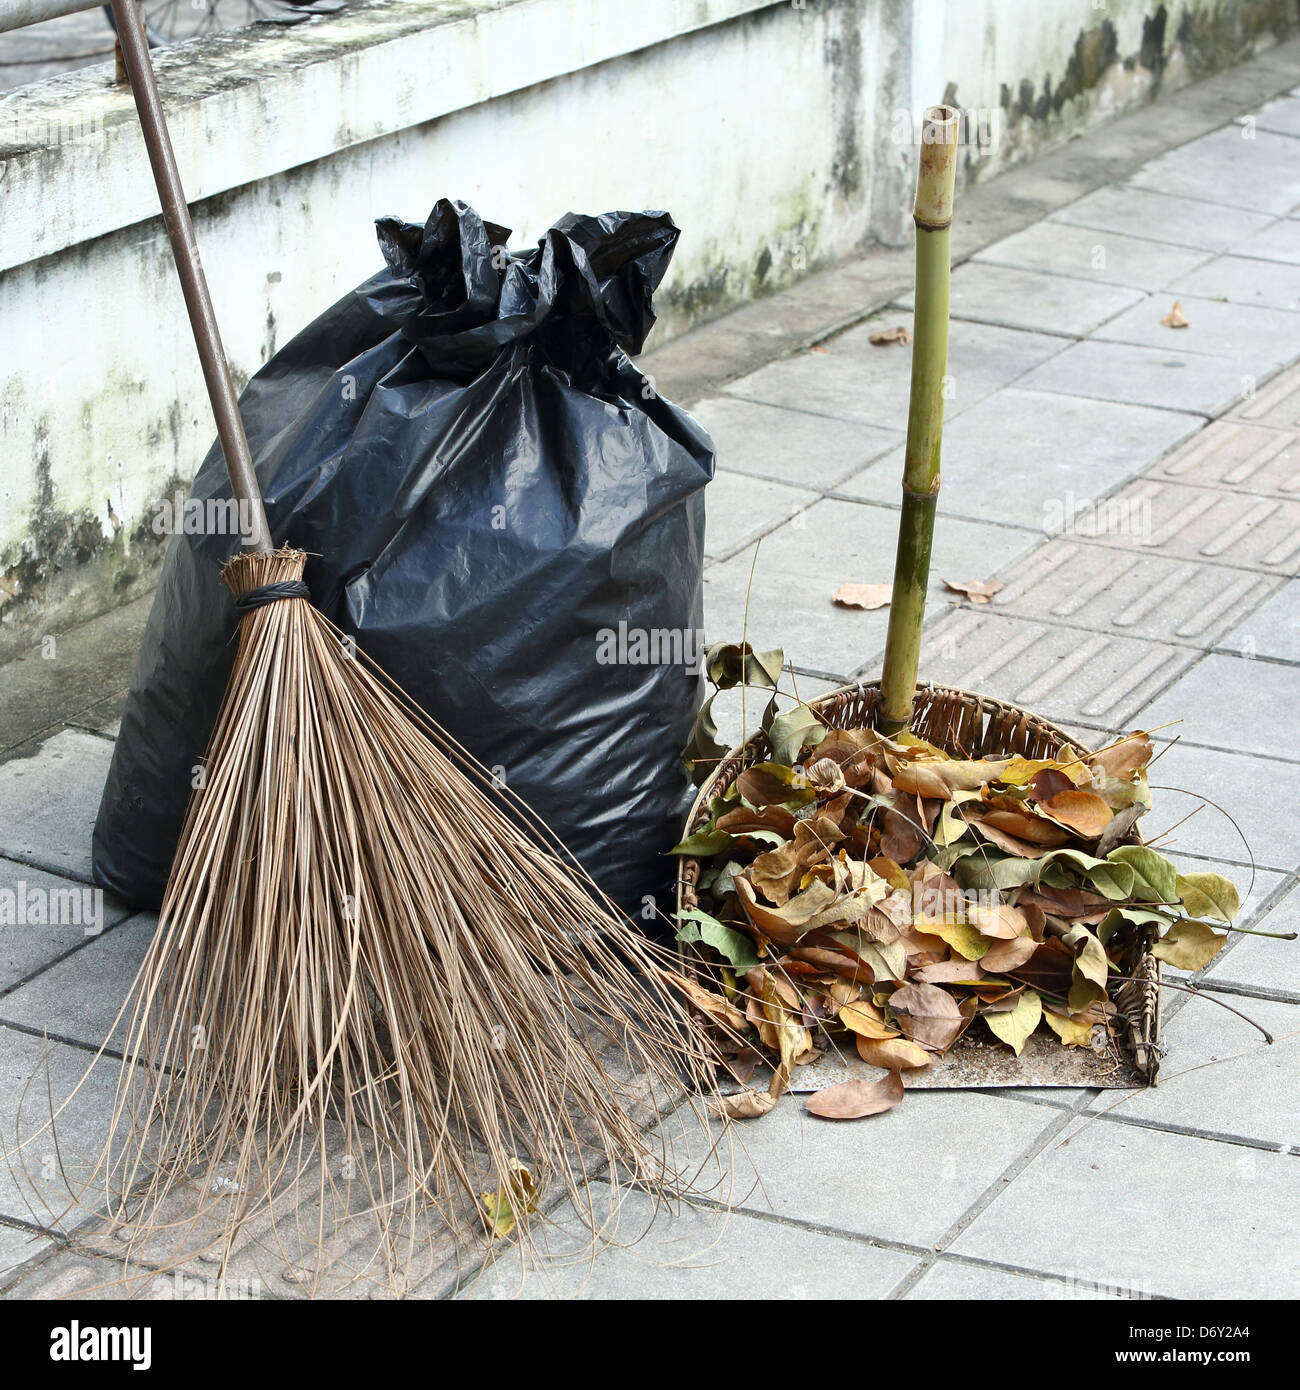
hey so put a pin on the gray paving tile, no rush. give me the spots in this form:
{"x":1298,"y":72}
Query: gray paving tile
{"x":1109,"y":258}
{"x":1196,"y":782}
{"x":1140,"y":212}
{"x":1237,"y":457}
{"x":1167,"y":378}
{"x":852,"y":380}
{"x":1255,"y":340}
{"x":68,"y":913}
{"x":1231,"y":703}
{"x":741,"y":508}
{"x":48,"y":802}
{"x":1057,"y":672}
{"x":691,"y":1253}
{"x":1273,"y":630}
{"x":1259,"y":173}
{"x":80,"y":997}
{"x":1249,"y":1090}
{"x":1135,"y":594}
{"x":1281,"y":115}
{"x":832,"y":1174}
{"x":71,"y":1276}
{"x":1263,"y":962}
{"x":1004,"y":461}
{"x":38,"y":1078}
{"x":16,"y":1248}
{"x":1134,"y":1208}
{"x":790,"y":446}
{"x":956,"y":1280}
{"x":1278,"y":241}
{"x":1209,"y":525}
{"x":1276,"y":405}
{"x":1034,"y":300}
{"x":1240,"y":280}
{"x":802,"y":564}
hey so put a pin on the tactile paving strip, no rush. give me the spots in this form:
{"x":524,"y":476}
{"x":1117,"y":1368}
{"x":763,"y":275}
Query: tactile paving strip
{"x":1241,"y":457}
{"x":1059,"y":672}
{"x":1137,"y":595}
{"x":1277,"y":405}
{"x":1204,"y":524}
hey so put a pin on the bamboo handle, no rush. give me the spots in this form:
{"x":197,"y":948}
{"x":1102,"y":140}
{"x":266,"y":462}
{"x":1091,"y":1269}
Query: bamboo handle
{"x":933,"y":217}
{"x":194,"y":286}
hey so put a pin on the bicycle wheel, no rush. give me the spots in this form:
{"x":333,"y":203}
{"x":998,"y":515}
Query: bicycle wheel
{"x":171,"y":21}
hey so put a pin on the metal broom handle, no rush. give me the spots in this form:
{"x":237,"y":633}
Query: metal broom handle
{"x":194,"y":286}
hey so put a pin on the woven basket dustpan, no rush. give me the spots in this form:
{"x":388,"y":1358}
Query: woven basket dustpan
{"x":968,"y":725}
{"x":961,"y":723}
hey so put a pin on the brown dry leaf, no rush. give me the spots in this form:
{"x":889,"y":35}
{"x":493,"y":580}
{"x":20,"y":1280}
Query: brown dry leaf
{"x":868,"y":596}
{"x":1023,"y":824}
{"x":866,"y":1021}
{"x":1175,"y":318}
{"x":1083,"y":812}
{"x":1125,"y":757}
{"x":998,"y":920}
{"x":714,"y":1005}
{"x":1007,"y":955}
{"x":827,"y":777}
{"x":852,"y":1100}
{"x":776,"y":872}
{"x":893,"y":1054}
{"x":745,"y":1105}
{"x":1013,"y":844}
{"x":977,"y":590}
{"x":742,"y":820}
{"x":940,"y":777}
{"x":850,"y":967}
{"x":884,"y":336}
{"x":1050,"y":970}
{"x":928,"y":1015}
{"x":950,"y":972}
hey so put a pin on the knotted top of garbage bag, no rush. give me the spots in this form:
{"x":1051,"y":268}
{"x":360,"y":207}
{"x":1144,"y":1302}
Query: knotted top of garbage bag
{"x":475,"y":296}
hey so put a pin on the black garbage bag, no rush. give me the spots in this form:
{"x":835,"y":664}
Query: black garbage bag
{"x":496,"y":505}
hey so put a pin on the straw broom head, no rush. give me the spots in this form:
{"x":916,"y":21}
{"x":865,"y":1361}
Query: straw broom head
{"x":368,"y":983}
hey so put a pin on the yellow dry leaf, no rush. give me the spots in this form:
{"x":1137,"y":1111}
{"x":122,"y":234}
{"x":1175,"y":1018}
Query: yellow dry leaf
{"x":1074,"y":1030}
{"x":517,"y":1198}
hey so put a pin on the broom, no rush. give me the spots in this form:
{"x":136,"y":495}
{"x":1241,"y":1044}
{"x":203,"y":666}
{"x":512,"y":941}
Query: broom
{"x":364,"y":970}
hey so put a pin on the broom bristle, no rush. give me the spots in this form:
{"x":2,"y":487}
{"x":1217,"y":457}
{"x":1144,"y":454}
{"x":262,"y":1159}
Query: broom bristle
{"x":369,"y":983}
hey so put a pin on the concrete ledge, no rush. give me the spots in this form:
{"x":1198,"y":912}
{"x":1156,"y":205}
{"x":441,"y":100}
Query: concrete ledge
{"x":318,"y":88}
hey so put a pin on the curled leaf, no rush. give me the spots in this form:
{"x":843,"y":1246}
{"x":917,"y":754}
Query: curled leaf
{"x":892,"y":1054}
{"x":853,"y":1100}
{"x":977,"y":590}
{"x":867,"y":596}
{"x":518,"y":1197}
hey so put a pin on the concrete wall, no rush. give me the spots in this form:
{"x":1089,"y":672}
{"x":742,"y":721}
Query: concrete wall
{"x":777,"y":132}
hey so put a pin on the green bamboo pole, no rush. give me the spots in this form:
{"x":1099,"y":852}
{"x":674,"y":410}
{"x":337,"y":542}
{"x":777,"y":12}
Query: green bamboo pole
{"x":933,"y":217}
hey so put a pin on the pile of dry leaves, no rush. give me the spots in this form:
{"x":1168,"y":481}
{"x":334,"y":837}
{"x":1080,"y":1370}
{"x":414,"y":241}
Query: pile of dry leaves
{"x":875,"y":889}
